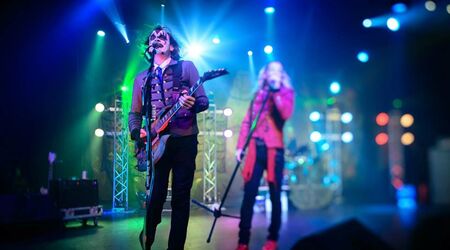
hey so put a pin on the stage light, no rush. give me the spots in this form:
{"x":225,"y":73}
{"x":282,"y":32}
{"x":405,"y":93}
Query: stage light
{"x":430,"y":5}
{"x":406,"y":120}
{"x":331,"y":101}
{"x":347,"y":137}
{"x":382,"y":119}
{"x":448,"y":8}
{"x":101,"y":33}
{"x":406,"y":197}
{"x":194,"y":50}
{"x":227,"y":112}
{"x":407,"y":138}
{"x":346,"y":117}
{"x":381,"y":139}
{"x":314,"y":116}
{"x":367,"y":23}
{"x":363,"y":56}
{"x":315,"y":136}
{"x":99,"y":107}
{"x":99,"y":132}
{"x":393,"y":24}
{"x":124,"y":88}
{"x":399,"y":8}
{"x":268,"y":49}
{"x":250,"y":53}
{"x":335,"y":88}
{"x":216,"y":40}
{"x":269,"y":10}
{"x":397,"y":103}
{"x":228,"y":133}
{"x":325,"y":146}
{"x":162,"y":5}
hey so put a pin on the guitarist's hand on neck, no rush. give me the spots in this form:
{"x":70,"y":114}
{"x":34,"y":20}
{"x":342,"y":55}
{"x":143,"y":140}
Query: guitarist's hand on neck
{"x":185,"y":100}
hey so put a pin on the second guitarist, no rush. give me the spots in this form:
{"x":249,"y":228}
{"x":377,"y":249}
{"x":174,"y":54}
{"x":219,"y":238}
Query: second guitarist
{"x":170,"y":79}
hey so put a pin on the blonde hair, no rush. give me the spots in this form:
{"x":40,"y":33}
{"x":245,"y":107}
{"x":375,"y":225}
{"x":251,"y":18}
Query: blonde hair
{"x":262,"y":76}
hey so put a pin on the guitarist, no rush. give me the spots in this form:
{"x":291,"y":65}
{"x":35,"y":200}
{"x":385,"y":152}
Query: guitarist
{"x":170,"y":79}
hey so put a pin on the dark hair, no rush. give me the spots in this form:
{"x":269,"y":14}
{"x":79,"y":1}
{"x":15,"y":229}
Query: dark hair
{"x":175,"y":54}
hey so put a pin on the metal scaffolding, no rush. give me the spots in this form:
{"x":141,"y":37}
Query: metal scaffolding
{"x":209,"y":132}
{"x":120,"y":160}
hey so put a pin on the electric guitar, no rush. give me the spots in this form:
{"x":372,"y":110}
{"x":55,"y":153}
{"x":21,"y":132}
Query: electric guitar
{"x":161,"y":123}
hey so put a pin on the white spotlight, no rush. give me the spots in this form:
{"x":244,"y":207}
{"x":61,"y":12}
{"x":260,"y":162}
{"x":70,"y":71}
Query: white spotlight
{"x":346,"y":117}
{"x":314,"y":116}
{"x":227,"y":112}
{"x":315,"y":136}
{"x":347,"y":137}
{"x":99,"y":132}
{"x":393,"y":24}
{"x":228,"y":133}
{"x":99,"y":107}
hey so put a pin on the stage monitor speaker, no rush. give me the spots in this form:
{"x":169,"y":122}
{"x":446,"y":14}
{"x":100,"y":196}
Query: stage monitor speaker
{"x":349,"y":235}
{"x":74,"y":193}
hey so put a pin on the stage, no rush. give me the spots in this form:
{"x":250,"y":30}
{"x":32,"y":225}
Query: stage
{"x":394,"y":226}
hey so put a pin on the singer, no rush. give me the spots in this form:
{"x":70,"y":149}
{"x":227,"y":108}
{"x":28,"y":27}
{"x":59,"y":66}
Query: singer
{"x":266,"y":149}
{"x":170,"y":80}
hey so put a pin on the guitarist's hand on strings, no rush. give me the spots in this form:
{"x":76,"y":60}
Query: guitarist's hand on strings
{"x":186,"y":100}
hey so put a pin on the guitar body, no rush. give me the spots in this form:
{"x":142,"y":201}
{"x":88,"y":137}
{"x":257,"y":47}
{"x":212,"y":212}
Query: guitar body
{"x":158,"y":147}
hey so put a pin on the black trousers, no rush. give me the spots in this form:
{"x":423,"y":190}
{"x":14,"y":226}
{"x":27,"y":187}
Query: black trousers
{"x":251,"y":190}
{"x":179,"y":156}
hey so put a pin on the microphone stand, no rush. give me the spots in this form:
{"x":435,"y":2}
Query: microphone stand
{"x":149,"y":182}
{"x":218,"y":212}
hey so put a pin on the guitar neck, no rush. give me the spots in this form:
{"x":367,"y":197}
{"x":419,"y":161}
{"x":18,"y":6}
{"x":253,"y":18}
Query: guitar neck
{"x":174,"y":109}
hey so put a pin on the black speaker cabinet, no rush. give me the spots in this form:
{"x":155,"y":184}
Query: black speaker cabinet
{"x":74,"y":193}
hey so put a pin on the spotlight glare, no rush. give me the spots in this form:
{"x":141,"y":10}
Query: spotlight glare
{"x":430,"y":5}
{"x":382,"y":119}
{"x":335,"y":87}
{"x":363,"y":56}
{"x":407,"y":138}
{"x":399,"y":8}
{"x":99,"y":132}
{"x":346,"y":117}
{"x":216,"y":40}
{"x":269,"y":10}
{"x":381,"y":139}
{"x":228,"y":133}
{"x":227,"y":112}
{"x":367,"y":23}
{"x":99,"y":107}
{"x":406,"y":120}
{"x":101,"y":33}
{"x":268,"y":49}
{"x":250,"y":53}
{"x":194,"y":50}
{"x":347,"y":137}
{"x":124,"y":88}
{"x":315,"y":136}
{"x":393,"y":24}
{"x":314,"y":116}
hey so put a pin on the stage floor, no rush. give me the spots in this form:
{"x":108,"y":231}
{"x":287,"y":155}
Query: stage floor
{"x":120,"y":231}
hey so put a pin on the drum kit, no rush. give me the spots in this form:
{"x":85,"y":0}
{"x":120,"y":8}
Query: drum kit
{"x":306,"y":176}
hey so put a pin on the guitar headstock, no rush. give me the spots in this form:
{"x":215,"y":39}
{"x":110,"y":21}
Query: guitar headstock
{"x":211,"y":74}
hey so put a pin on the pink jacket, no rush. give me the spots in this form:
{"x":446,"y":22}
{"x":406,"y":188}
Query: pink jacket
{"x":278,"y":109}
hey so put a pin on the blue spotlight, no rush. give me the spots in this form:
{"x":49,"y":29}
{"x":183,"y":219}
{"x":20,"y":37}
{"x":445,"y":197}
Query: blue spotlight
{"x":216,"y":40}
{"x":367,"y":23}
{"x":268,"y":49}
{"x":194,"y":50}
{"x":347,"y":137}
{"x":399,"y":8}
{"x":314,"y":116}
{"x":101,"y":33}
{"x":363,"y":56}
{"x":346,"y":117}
{"x":325,"y":146}
{"x":269,"y":10}
{"x":250,"y":53}
{"x":315,"y":136}
{"x":393,"y":24}
{"x":335,"y":88}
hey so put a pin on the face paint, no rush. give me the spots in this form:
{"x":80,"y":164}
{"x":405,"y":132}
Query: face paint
{"x":159,"y":40}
